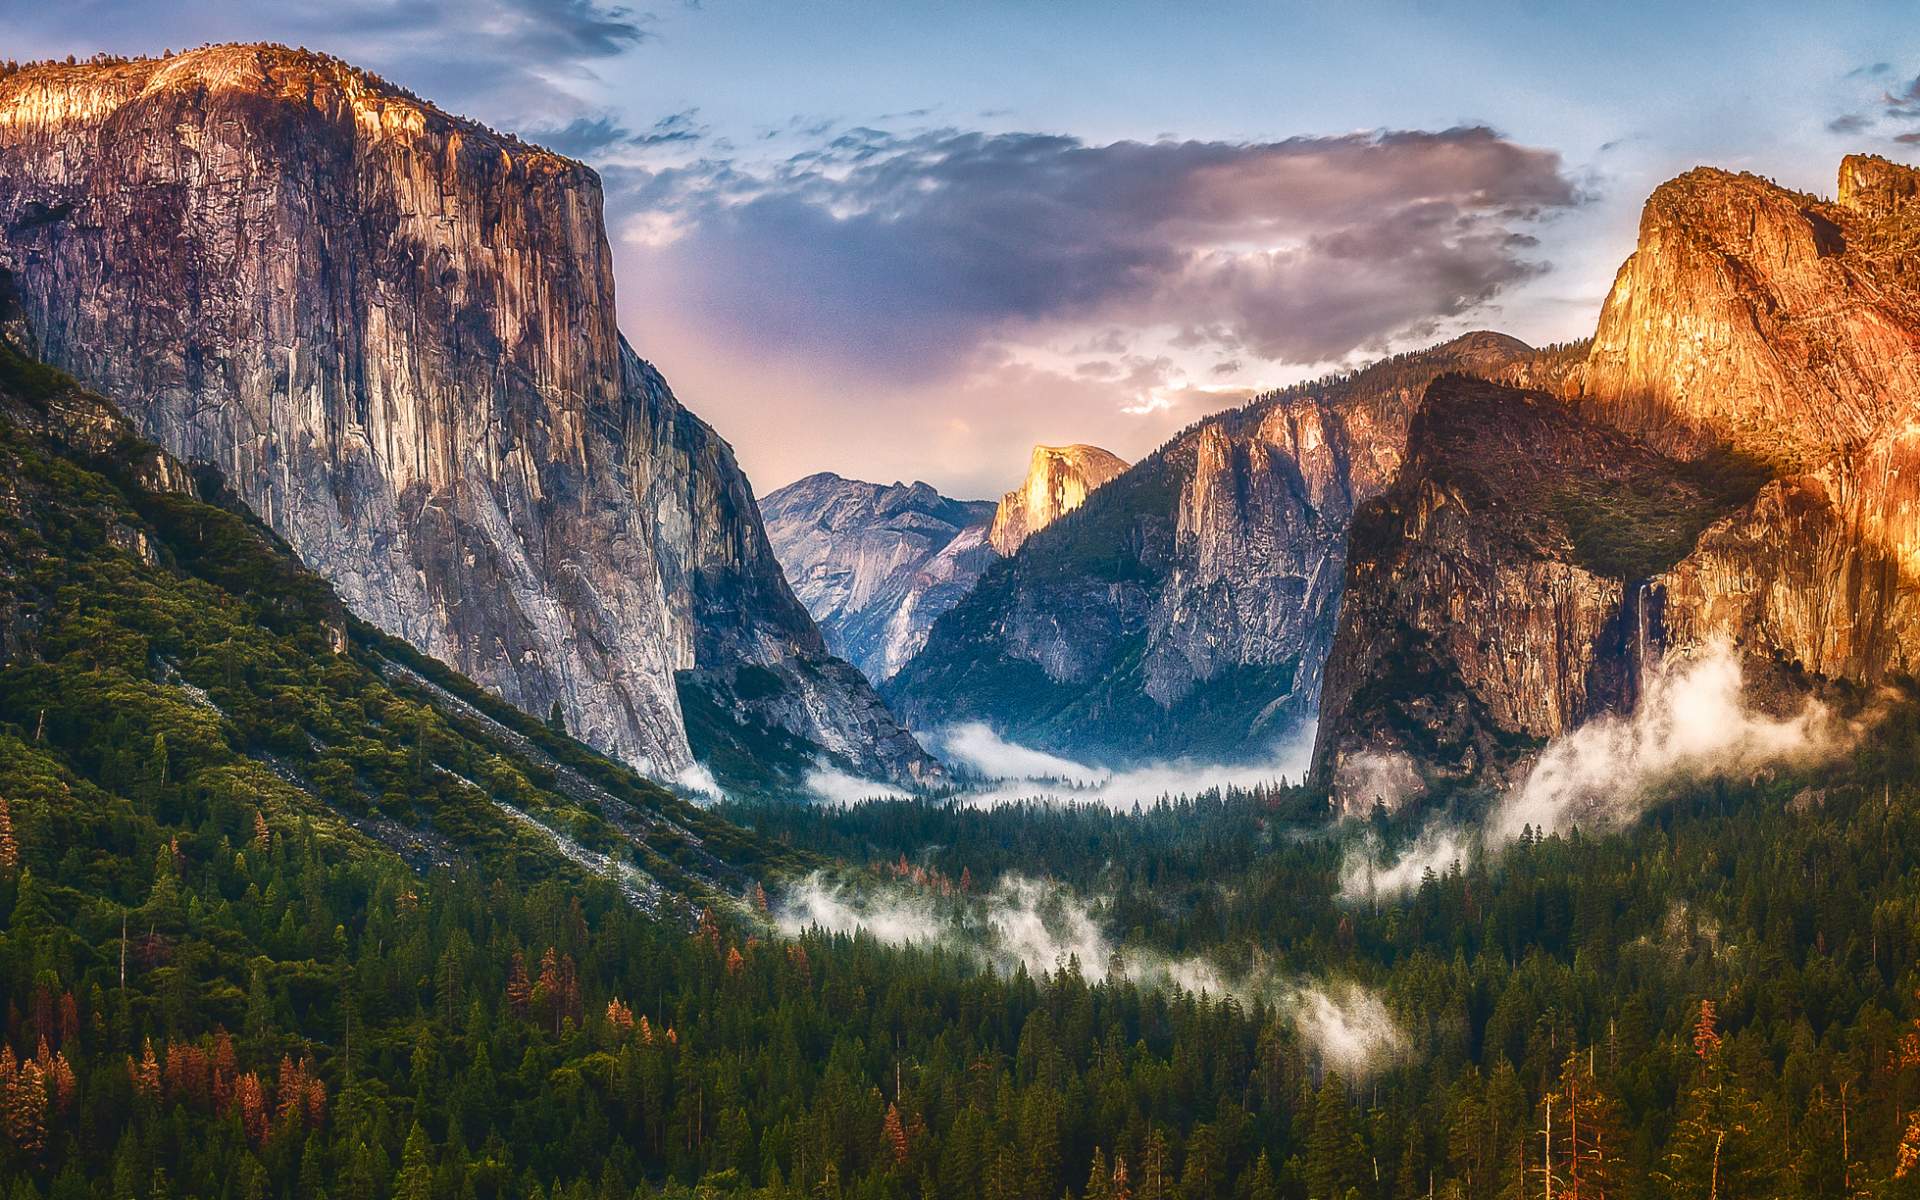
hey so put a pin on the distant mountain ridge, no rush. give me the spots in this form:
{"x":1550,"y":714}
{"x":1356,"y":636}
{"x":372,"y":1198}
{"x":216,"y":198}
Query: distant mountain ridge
{"x":1187,"y":607}
{"x":876,"y":563}
{"x":393,"y":332}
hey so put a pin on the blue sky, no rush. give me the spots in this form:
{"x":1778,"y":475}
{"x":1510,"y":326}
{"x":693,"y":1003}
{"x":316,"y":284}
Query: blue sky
{"x":906,"y":240}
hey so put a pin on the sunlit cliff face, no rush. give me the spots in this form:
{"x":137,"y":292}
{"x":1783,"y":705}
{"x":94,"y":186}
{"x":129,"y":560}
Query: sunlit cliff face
{"x":1059,"y":480}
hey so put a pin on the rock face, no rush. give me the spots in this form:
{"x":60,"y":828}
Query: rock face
{"x":1505,"y":588}
{"x":393,"y":332}
{"x":1188,"y":606}
{"x":1059,"y":480}
{"x":1760,"y":353}
{"x":1788,"y":328}
{"x":875,"y":564}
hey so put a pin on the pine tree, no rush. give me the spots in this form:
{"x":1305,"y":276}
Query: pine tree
{"x":1099,"y":1178}
{"x":519,"y":990}
{"x":894,"y":1134}
{"x":9,"y":848}
{"x":1334,"y":1153}
{"x":1587,"y":1142}
{"x":1723,"y":1146}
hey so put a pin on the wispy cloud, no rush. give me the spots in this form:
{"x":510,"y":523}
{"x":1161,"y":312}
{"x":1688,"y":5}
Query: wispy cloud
{"x":1694,"y":722}
{"x":1016,"y":773}
{"x":1043,"y":927}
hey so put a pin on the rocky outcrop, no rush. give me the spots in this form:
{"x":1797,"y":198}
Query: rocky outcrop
{"x":876,"y":564}
{"x":1059,"y":480}
{"x":1760,"y":353}
{"x":1505,"y":588}
{"x":393,"y":332}
{"x":1188,"y":606}
{"x":1788,"y":328}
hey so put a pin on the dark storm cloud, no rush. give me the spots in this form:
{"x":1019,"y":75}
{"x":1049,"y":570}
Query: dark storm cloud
{"x":919,"y":248}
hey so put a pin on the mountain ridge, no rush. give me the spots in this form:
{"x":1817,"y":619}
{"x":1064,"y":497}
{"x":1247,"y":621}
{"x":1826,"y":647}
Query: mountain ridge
{"x":875,"y":564}
{"x":1186,"y":608}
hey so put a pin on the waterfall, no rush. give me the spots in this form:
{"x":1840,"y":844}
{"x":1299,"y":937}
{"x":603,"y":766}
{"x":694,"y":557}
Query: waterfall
{"x":1640,"y":632}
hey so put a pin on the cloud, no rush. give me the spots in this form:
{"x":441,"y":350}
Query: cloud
{"x":914,"y":250}
{"x":592,"y":137}
{"x":1043,"y":927}
{"x":1020,"y":774}
{"x":1438,"y":849}
{"x":697,"y":781}
{"x":1693,"y":723}
{"x":582,"y":137}
{"x":1893,"y":112}
{"x":509,"y":62}
{"x":975,"y":746}
{"x":831,"y":785}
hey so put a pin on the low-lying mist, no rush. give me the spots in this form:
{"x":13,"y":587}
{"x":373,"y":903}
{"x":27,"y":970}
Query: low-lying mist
{"x":1043,"y":926}
{"x":1692,"y":723}
{"x":1016,"y":773}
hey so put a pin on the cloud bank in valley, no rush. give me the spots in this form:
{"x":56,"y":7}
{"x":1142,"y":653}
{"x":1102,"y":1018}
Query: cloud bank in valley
{"x":830,"y":785}
{"x":1694,"y":722}
{"x":1043,"y":927}
{"x":1016,"y":773}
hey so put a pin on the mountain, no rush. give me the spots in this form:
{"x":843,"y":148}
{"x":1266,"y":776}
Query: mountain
{"x":1059,"y":480}
{"x":1188,"y":606}
{"x":875,"y":563}
{"x":1495,"y":594}
{"x":1734,"y":458}
{"x":166,"y":661}
{"x":392,"y":331}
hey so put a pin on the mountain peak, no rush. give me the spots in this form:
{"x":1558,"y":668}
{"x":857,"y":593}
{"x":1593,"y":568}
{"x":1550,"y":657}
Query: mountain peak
{"x":1875,"y":187}
{"x":62,"y":91}
{"x":1059,"y":480}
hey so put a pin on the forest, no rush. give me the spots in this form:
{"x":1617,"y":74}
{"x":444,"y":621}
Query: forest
{"x":290,"y":913}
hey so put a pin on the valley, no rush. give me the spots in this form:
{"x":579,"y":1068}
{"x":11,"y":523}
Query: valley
{"x":429,"y":769}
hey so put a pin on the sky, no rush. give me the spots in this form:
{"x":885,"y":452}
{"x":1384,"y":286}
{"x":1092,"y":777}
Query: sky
{"x":902,"y":240}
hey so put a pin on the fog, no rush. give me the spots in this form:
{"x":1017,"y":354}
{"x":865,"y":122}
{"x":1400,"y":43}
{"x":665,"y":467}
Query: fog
{"x":1042,"y":926}
{"x":834,"y":786}
{"x":1692,"y":723}
{"x":1018,"y":773}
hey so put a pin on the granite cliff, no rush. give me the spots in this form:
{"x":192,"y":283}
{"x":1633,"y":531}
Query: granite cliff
{"x":1059,"y":480}
{"x":392,"y":331}
{"x":875,"y":564}
{"x":1759,"y":351}
{"x":1504,"y":588}
{"x":1187,"y":607}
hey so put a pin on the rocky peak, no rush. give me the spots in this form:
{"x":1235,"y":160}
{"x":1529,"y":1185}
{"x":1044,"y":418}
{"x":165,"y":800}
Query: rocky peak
{"x":1737,"y":461}
{"x":393,"y":332}
{"x":1187,"y":607}
{"x":876,"y":564}
{"x":1763,"y":318}
{"x":1876,"y":188}
{"x":1059,"y":480}
{"x":1489,"y":590}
